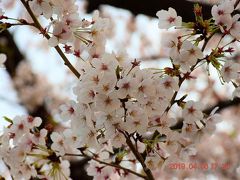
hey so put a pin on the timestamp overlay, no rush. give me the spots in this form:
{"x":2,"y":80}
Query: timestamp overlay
{"x":198,"y":166}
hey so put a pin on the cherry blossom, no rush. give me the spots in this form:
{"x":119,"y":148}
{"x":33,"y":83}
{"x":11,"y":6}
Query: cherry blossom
{"x":60,"y":170}
{"x":169,"y":85}
{"x":187,"y":56}
{"x":61,"y":34}
{"x":235,"y":26}
{"x":168,"y":18}
{"x":41,"y":7}
{"x":107,"y":103}
{"x":230,"y":71}
{"x":192,"y":112}
{"x":33,"y":122}
{"x":211,"y":121}
{"x":66,"y":142}
{"x":58,"y":143}
{"x":95,"y":169}
{"x":222,"y":13}
{"x":127,"y":86}
{"x":20,"y":127}
{"x":69,"y":110}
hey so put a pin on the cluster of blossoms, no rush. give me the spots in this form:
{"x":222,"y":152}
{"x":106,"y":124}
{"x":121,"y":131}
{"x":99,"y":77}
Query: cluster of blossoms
{"x":24,"y":150}
{"x":114,"y":101}
{"x":185,"y":54}
{"x":121,"y":119}
{"x":228,"y":22}
{"x":67,"y":27}
{"x":31,"y":88}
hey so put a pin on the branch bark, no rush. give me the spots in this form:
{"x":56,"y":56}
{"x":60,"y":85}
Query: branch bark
{"x":149,"y":175}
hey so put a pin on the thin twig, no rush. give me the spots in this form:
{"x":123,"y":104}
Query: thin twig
{"x":236,"y":3}
{"x":223,"y":105}
{"x":108,"y":164}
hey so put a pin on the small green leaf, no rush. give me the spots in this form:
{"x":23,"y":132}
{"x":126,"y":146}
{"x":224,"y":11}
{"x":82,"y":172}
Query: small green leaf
{"x":215,"y":63}
{"x":8,"y":119}
{"x":3,"y":27}
{"x":118,"y":70}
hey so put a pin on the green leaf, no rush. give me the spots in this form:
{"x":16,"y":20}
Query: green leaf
{"x":8,"y":119}
{"x":215,"y":63}
{"x":118,"y":70}
{"x":3,"y":27}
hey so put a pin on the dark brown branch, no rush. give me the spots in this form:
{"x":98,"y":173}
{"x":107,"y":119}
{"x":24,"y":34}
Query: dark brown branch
{"x":184,"y":8}
{"x":78,"y":171}
{"x":223,"y":105}
{"x":10,"y":48}
{"x":139,"y":157}
{"x":236,"y":3}
{"x":14,"y":57}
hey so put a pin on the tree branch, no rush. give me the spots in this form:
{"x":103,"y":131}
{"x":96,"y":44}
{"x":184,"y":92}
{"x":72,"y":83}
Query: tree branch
{"x":108,"y":164}
{"x":139,"y":158}
{"x":151,"y":7}
{"x":223,"y":105}
{"x":58,"y":49}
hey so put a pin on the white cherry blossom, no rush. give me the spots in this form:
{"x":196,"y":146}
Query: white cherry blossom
{"x":230,"y":71}
{"x":167,"y":86}
{"x":40,"y":7}
{"x":107,"y":63}
{"x":61,"y":34}
{"x":107,"y":103}
{"x":33,"y":122}
{"x":222,"y":13}
{"x":127,"y":86}
{"x":168,"y":18}
{"x":69,"y":110}
{"x":234,"y":30}
{"x":58,"y":144}
{"x":187,"y":56}
{"x":192,"y":112}
{"x":137,"y":123}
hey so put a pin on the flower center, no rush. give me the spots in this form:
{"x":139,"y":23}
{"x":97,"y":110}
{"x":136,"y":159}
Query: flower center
{"x":171,"y":19}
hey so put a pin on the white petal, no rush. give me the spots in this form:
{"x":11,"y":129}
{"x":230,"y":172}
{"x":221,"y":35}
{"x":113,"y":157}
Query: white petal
{"x":53,"y":41}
